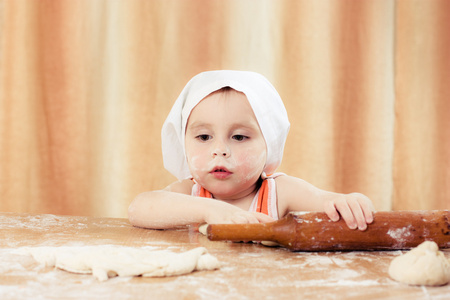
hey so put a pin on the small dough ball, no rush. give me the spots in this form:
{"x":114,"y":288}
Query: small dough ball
{"x":202,"y":229}
{"x":423,"y":265}
{"x":270,"y":244}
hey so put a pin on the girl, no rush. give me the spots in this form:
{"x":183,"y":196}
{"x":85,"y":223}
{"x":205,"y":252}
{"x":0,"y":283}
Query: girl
{"x":223,"y":140}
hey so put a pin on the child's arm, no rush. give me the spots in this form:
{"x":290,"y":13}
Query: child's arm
{"x":295,"y":194}
{"x":175,"y":207}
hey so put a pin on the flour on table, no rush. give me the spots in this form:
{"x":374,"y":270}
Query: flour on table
{"x":423,"y":265}
{"x":109,"y":261}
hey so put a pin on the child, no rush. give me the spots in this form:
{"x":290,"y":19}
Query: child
{"x":223,"y":140}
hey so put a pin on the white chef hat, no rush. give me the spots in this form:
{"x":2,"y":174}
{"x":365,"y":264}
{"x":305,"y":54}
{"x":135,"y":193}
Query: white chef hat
{"x":263,"y":98}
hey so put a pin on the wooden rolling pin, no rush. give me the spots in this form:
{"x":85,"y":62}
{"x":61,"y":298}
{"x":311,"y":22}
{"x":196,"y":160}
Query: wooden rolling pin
{"x":314,"y":231}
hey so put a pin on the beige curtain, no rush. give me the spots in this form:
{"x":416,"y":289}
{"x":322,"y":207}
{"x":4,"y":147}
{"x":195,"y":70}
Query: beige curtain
{"x":86,"y":85}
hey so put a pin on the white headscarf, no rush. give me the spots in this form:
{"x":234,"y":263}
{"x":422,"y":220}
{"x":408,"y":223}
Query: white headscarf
{"x":263,"y":98}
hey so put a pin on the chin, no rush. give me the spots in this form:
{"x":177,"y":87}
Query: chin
{"x":219,"y":189}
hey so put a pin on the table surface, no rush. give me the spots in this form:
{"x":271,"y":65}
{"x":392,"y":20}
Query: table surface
{"x":249,"y":271}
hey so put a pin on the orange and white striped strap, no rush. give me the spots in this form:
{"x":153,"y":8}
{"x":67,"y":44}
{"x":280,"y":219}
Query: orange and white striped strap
{"x":265,"y":200}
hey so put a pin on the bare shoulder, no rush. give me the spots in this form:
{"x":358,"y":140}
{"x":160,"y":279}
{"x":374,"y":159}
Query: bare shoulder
{"x":288,"y":182}
{"x":182,"y":187}
{"x":290,"y":186}
{"x":293,"y":194}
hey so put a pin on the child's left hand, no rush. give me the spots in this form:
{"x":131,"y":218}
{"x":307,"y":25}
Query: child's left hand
{"x":356,"y":210}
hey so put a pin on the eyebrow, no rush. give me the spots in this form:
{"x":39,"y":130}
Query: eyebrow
{"x":197,"y":124}
{"x":200,"y":124}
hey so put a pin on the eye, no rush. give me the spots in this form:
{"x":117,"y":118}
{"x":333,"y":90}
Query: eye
{"x":239,"y":137}
{"x":203,"y":137}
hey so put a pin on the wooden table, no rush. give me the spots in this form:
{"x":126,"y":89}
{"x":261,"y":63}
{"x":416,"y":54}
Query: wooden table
{"x":249,"y":271}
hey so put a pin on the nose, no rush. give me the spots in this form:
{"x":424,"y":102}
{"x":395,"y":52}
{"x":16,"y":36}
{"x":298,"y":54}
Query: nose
{"x":221,"y":150}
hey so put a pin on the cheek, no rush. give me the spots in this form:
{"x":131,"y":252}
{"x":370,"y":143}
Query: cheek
{"x":197,"y":162}
{"x":252,"y":164}
{"x":194,"y":161}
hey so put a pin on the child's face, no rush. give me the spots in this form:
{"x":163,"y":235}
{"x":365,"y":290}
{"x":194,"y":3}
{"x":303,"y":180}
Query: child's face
{"x":225,"y":148}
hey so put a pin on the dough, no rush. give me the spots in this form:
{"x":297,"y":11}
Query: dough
{"x":202,"y":229}
{"x":423,"y":265}
{"x":108,"y":261}
{"x":270,"y":244}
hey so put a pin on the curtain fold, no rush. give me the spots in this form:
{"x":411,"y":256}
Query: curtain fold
{"x":422,"y":144}
{"x":86,"y":85}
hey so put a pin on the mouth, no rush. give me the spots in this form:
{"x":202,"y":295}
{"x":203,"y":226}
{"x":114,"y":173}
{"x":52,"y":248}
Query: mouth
{"x":220,"y":169}
{"x":220,"y":172}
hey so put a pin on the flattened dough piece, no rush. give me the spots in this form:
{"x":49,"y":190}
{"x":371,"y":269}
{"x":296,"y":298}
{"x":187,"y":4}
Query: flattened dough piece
{"x":423,"y":265}
{"x":108,"y":261}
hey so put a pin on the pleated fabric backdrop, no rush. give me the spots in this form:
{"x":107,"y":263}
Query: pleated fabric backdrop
{"x":86,"y":85}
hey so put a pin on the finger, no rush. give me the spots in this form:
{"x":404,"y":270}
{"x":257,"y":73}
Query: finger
{"x":331,"y":211}
{"x":367,"y":208}
{"x":357,"y":212}
{"x":262,"y":218}
{"x":365,"y":205}
{"x":252,"y":219}
{"x":245,"y":218}
{"x":239,"y":219}
{"x":368,"y":213}
{"x":344,"y":209}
